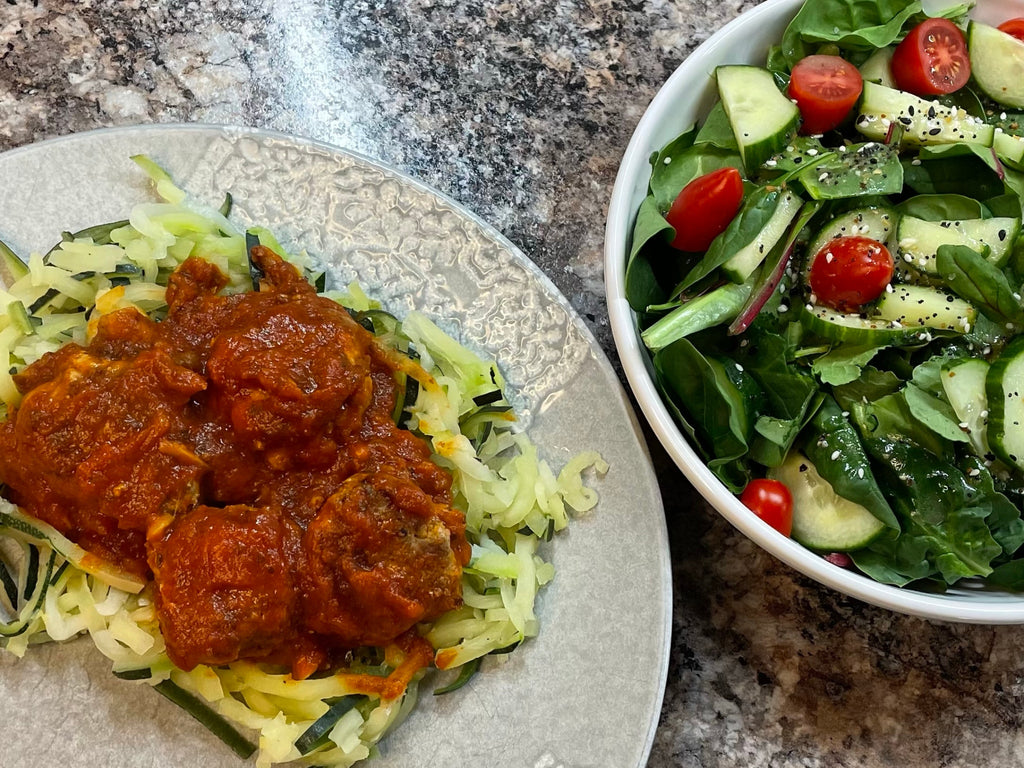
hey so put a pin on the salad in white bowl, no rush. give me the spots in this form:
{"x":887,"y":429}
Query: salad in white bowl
{"x":815,"y":268}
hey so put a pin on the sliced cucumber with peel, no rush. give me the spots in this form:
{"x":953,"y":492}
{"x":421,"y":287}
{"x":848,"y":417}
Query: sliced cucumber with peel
{"x":822,"y":519}
{"x":854,"y":329}
{"x":878,"y":68}
{"x":997,"y":63}
{"x":1004,"y":387}
{"x":963,"y":382}
{"x":1008,"y":147}
{"x":921,"y":306}
{"x":742,"y":265}
{"x":763,"y":119}
{"x":918,"y":241}
{"x":920,"y":120}
{"x":875,"y":222}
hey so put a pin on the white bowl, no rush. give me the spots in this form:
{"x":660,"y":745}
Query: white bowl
{"x":684,"y":99}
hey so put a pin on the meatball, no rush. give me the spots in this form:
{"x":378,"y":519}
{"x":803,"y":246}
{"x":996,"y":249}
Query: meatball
{"x":224,"y":583}
{"x":379,"y":560}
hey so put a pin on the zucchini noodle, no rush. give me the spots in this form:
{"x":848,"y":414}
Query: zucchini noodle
{"x":52,"y":590}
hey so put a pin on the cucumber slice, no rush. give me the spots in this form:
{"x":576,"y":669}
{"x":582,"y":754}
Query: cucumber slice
{"x":747,"y":259}
{"x":963,"y":382}
{"x":918,"y":241}
{"x":878,"y":68}
{"x":20,"y":317}
{"x":922,"y":121}
{"x":822,"y":519}
{"x":855,"y":329}
{"x":1006,"y":406}
{"x":762,"y":118}
{"x":12,"y":268}
{"x":1008,"y":147}
{"x":876,"y":222}
{"x":997,"y":63}
{"x":920,"y":306}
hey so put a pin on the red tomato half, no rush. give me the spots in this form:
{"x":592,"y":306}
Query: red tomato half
{"x":771,"y":501}
{"x":849,"y":272}
{"x":1013,"y":27}
{"x":704,"y":208}
{"x":932,"y":59}
{"x":825,"y":88}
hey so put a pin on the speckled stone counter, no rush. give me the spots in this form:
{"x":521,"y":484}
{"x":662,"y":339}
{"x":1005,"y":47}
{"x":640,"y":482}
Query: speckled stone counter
{"x":520,"y":109}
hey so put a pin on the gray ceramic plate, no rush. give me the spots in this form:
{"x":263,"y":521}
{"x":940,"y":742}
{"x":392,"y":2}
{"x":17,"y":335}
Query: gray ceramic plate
{"x":588,"y":690}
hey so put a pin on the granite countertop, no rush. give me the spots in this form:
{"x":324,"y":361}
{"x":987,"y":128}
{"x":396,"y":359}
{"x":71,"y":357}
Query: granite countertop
{"x":521,"y":109}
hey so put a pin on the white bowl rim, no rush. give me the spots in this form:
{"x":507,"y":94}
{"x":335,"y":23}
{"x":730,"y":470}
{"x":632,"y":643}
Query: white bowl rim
{"x":959,"y":607}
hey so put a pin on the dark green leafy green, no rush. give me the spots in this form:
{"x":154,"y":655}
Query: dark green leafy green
{"x":973,"y":277}
{"x":757,"y":210}
{"x":642,"y":285}
{"x":944,"y":208}
{"x":722,"y":416}
{"x":836,"y":451}
{"x":859,"y":26}
{"x":939,"y":507}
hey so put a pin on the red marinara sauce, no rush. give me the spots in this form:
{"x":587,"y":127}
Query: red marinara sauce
{"x":241,"y":453}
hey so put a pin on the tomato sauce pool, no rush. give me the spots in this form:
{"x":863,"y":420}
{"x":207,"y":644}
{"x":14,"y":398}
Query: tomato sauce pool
{"x":241,"y":454}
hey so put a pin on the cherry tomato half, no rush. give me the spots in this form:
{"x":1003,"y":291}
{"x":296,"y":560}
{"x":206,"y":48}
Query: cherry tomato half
{"x":704,"y":208}
{"x":932,"y":59}
{"x":771,"y":501}
{"x":1013,"y":27}
{"x":825,"y":88}
{"x":849,"y":272}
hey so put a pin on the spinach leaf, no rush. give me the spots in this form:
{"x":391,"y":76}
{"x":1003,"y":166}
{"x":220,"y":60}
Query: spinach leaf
{"x":1005,"y":520}
{"x":871,"y":168}
{"x":843,"y":364}
{"x":973,"y":277}
{"x":944,"y":208}
{"x":837,"y":453}
{"x":789,"y":388}
{"x":717,"y":130}
{"x":1008,"y":576}
{"x":936,"y":414}
{"x":939,"y":506}
{"x":851,"y":24}
{"x":952,"y":169}
{"x":872,"y":384}
{"x":682,"y":161}
{"x":722,"y":416}
{"x":895,"y":559}
{"x":642,"y":287}
{"x":890,"y":416}
{"x":757,"y":210}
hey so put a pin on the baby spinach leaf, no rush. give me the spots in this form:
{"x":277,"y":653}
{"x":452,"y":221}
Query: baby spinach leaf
{"x":757,"y":210}
{"x":973,"y":277}
{"x":895,"y":559}
{"x":890,"y":416}
{"x":642,"y":286}
{"x":843,"y":364}
{"x":944,"y":208}
{"x":854,"y":26}
{"x":722,"y":416}
{"x":717,"y":130}
{"x":681,"y":162}
{"x":836,"y":451}
{"x":937,"y":504}
{"x":934,"y":413}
